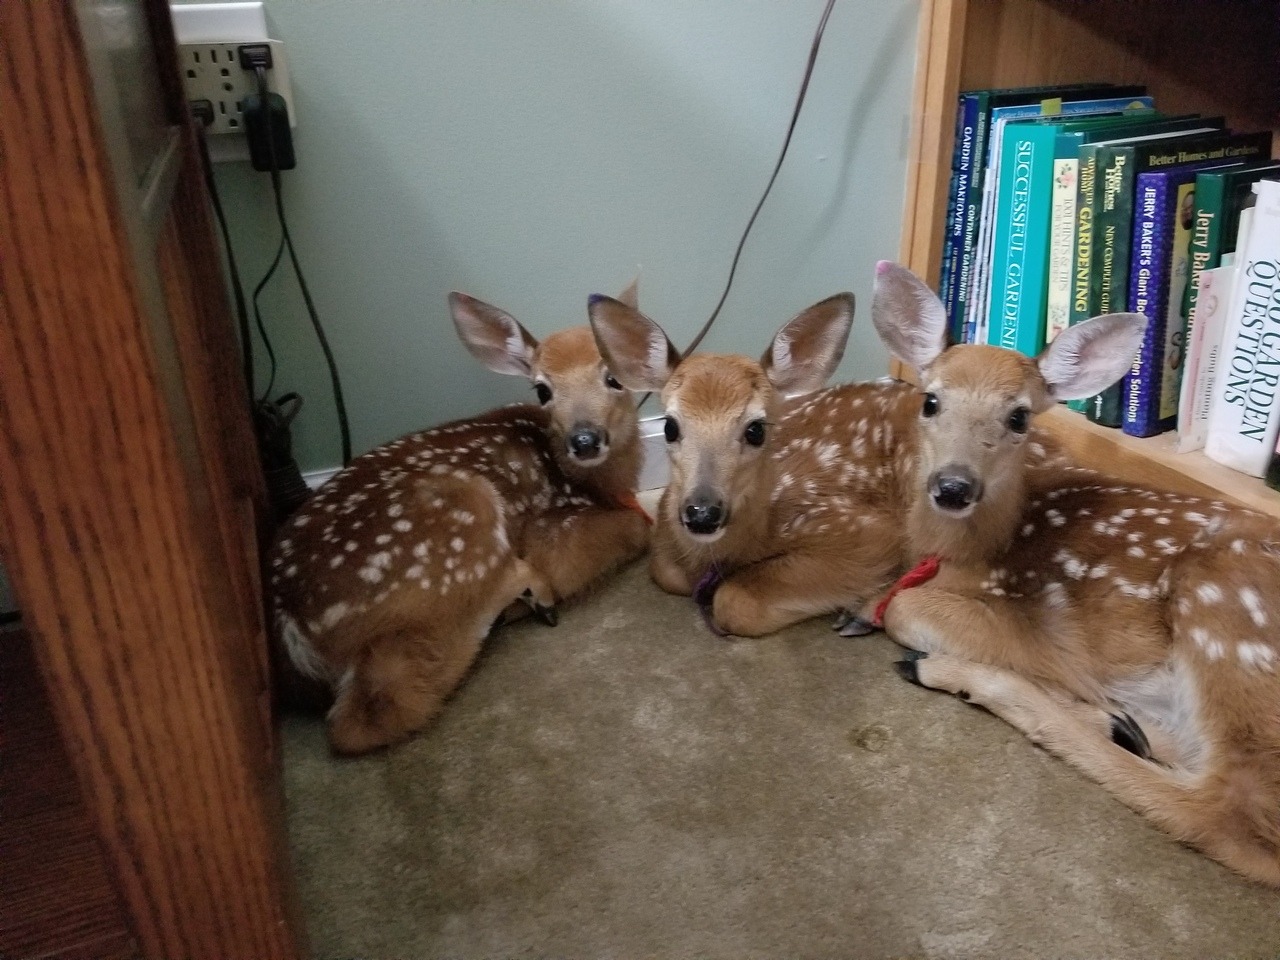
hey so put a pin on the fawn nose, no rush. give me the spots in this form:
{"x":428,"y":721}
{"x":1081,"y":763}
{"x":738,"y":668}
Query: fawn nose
{"x":955,"y":488}
{"x":585,"y":442}
{"x":704,"y":515}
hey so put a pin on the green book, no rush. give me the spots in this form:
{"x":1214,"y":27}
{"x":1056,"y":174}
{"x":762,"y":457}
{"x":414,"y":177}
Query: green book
{"x":1084,"y":293}
{"x":1219,"y":195}
{"x":1118,"y":166}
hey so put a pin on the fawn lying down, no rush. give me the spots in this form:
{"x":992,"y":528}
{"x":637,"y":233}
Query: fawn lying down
{"x":787,"y":496}
{"x":1128,"y":629}
{"x":388,"y":579}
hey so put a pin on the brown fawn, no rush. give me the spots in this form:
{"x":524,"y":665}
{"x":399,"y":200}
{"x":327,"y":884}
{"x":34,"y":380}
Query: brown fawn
{"x":784,"y":498}
{"x":1127,"y":629}
{"x":388,"y":579}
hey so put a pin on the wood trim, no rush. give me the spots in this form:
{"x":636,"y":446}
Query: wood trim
{"x":122,"y":577}
{"x":939,"y":48}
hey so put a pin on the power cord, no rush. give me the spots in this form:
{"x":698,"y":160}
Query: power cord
{"x":795,"y":116}
{"x":258,"y":58}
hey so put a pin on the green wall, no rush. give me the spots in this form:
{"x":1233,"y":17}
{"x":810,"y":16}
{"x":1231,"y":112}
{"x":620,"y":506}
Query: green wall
{"x":531,"y":153}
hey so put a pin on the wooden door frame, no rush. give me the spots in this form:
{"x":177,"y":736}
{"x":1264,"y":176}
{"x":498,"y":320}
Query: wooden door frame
{"x":127,"y":503}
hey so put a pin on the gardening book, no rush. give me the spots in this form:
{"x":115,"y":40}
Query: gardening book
{"x":1245,"y":417}
{"x":1118,"y":166}
{"x":1070,"y":104}
{"x":1204,"y":347}
{"x":1161,"y":238}
{"x":968,"y":164}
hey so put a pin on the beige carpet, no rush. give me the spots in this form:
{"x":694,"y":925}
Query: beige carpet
{"x":628,"y":785}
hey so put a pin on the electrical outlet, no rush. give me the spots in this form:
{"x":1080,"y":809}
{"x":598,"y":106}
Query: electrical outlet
{"x":212,"y":71}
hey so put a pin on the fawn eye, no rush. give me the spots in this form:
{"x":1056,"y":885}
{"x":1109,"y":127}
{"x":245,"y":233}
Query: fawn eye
{"x":543,"y":391}
{"x":1019,"y":420}
{"x":754,"y":433}
{"x":611,"y":381}
{"x":931,"y":405}
{"x":671,"y":430}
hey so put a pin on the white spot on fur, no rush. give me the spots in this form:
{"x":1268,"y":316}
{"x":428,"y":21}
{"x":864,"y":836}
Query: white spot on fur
{"x":1237,"y":546}
{"x":1253,"y":603}
{"x":1209,"y":593}
{"x":335,"y":561}
{"x":1136,"y":552}
{"x":402,"y":526}
{"x":1258,"y":656}
{"x":457,"y":544}
{"x":382,"y":538}
{"x":370,"y":574}
{"x":395,"y":510}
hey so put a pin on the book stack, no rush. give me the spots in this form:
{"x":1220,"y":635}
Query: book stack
{"x":1071,"y":201}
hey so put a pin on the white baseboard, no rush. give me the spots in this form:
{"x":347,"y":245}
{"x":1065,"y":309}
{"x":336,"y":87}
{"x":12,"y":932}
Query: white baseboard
{"x":653,"y":471}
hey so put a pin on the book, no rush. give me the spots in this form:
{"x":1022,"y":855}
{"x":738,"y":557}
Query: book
{"x":1085,"y":291}
{"x":1204,"y":346}
{"x":1219,"y":195}
{"x":1070,"y":103}
{"x":969,"y":162}
{"x":1062,"y":205}
{"x":1118,"y":165}
{"x":1244,"y":417}
{"x":1161,"y":239}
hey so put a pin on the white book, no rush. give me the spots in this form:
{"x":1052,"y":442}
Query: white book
{"x":1244,"y":418}
{"x":1201,"y":363}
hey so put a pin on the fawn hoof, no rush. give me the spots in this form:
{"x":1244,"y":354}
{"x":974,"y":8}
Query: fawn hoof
{"x":849,"y":624}
{"x":544,"y":612}
{"x":1126,"y":733}
{"x":907,"y":671}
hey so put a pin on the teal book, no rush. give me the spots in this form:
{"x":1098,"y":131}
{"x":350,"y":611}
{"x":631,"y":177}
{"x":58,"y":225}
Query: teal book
{"x":1020,"y":258}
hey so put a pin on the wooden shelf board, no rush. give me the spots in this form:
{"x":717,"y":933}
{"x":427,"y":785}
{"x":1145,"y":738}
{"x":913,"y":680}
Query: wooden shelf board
{"x":1153,"y":460}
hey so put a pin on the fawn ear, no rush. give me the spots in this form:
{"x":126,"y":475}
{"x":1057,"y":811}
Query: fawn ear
{"x":631,"y":295}
{"x":806,"y":351}
{"x":908,"y":316}
{"x":634,"y":348}
{"x":1091,"y":356}
{"x":493,"y":336}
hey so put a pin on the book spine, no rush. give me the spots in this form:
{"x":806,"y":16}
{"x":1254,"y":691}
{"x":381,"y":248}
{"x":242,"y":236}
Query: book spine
{"x":1175,"y":328}
{"x":1244,"y":418}
{"x":1015,"y":318}
{"x":1061,"y":233}
{"x":1206,"y":233}
{"x":972,"y":215}
{"x":1081,"y":305}
{"x":1111,"y":258}
{"x":1204,"y":347}
{"x":950,"y":286}
{"x":1140,"y":386}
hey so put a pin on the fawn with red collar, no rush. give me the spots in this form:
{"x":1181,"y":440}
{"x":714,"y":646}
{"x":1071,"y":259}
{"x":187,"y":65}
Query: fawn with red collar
{"x":388,"y":579}
{"x":1127,"y":629}
{"x":785,"y":498}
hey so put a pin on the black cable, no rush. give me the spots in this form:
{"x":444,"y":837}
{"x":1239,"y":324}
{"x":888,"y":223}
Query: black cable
{"x":338,"y":400}
{"x":795,"y":116}
{"x":237,"y":288}
{"x":257,"y":315}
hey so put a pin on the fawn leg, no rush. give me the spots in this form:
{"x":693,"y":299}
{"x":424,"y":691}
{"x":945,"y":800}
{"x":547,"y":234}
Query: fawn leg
{"x":572,"y":547}
{"x":776,"y":593}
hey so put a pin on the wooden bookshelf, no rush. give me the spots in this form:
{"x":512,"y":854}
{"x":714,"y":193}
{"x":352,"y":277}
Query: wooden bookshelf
{"x":1214,"y":58}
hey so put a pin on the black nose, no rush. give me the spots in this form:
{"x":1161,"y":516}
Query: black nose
{"x":702,"y":516}
{"x":584,"y":443}
{"x":955,"y":488}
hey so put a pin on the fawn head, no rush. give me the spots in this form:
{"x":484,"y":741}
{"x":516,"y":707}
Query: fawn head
{"x":588,"y":410}
{"x":978,"y":400}
{"x":721,"y":410}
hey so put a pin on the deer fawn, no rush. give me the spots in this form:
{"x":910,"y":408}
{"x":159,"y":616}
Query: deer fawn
{"x":1127,"y":629}
{"x":786,"y":501}
{"x":388,"y":579}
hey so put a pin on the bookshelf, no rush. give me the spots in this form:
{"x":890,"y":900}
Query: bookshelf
{"x":1214,"y":58}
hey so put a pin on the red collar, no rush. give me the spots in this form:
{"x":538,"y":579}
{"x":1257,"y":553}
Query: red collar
{"x":630,"y":502}
{"x":922,"y":572}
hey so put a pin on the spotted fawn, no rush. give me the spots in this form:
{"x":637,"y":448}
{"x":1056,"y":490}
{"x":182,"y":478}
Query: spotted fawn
{"x":1128,"y":629}
{"x":388,"y":579}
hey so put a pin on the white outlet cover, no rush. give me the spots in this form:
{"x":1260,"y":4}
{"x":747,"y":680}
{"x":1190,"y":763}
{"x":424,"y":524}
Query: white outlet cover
{"x":244,"y":21}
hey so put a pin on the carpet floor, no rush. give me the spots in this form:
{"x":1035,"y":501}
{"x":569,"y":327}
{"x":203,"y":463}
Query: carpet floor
{"x":628,"y":785}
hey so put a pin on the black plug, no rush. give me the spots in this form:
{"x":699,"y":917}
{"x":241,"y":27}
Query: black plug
{"x":202,"y":110}
{"x":255,"y":55}
{"x":266,"y":124}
